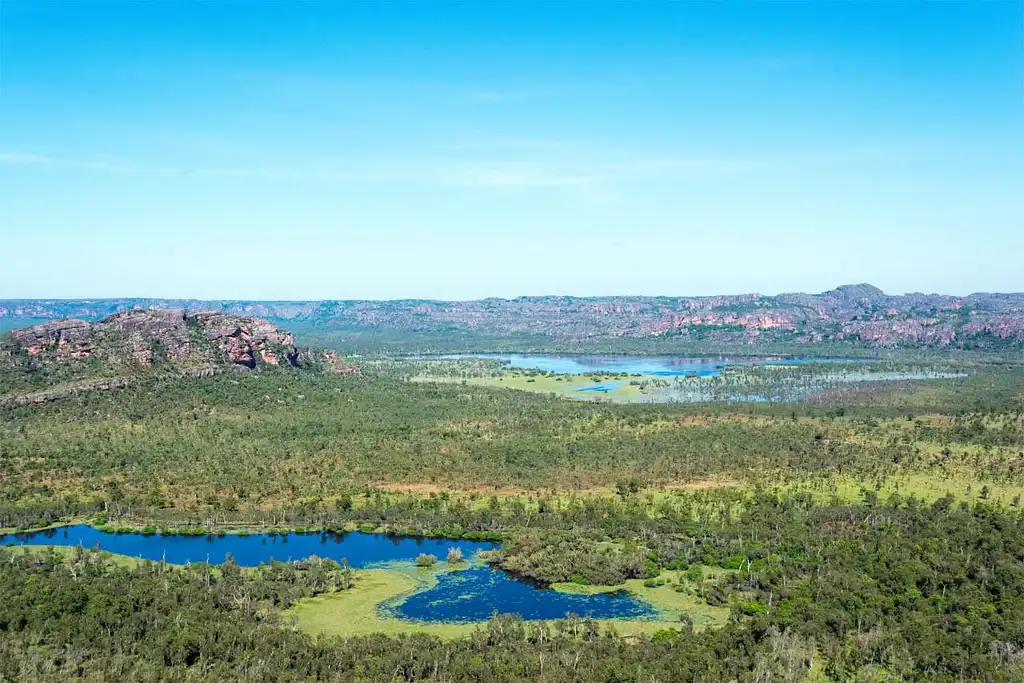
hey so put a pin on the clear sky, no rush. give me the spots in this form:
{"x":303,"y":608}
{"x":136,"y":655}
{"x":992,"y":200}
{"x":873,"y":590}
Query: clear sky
{"x":315,"y":149}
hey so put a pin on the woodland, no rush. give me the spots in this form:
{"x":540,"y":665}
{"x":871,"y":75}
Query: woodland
{"x":873,"y":535}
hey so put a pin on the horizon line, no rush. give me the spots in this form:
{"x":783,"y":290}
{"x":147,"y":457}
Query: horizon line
{"x":90,"y":299}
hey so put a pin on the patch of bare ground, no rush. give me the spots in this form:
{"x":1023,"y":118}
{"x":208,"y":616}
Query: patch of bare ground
{"x":425,"y":489}
{"x":702,"y":485}
{"x":704,"y":420}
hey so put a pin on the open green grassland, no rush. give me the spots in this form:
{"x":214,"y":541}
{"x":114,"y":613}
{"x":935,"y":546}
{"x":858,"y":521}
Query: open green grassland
{"x":865,"y":382}
{"x":565,"y":386}
{"x":358,"y":611}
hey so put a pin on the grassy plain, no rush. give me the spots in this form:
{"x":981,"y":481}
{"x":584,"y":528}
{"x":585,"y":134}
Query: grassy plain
{"x":827,"y":382}
{"x":961,"y":484}
{"x":357,"y":611}
{"x":565,"y":386}
{"x":670,"y":602}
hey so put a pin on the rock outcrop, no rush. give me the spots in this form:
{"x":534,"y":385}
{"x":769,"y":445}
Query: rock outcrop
{"x":333,"y":363}
{"x":858,"y":313}
{"x":61,"y":358}
{"x":65,"y":338}
{"x":248,"y":341}
{"x":154,"y":337}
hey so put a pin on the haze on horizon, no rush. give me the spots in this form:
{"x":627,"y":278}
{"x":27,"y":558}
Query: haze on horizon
{"x":616,"y":295}
{"x":459,"y":151}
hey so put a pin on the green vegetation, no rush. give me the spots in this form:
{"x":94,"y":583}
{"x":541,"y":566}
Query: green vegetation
{"x":813,"y":383}
{"x":677,"y":596}
{"x":285,"y":450}
{"x":890,"y":590}
{"x":72,"y":553}
{"x":559,"y":557}
{"x":356,"y":612}
{"x":568,"y":386}
{"x":875,"y":534}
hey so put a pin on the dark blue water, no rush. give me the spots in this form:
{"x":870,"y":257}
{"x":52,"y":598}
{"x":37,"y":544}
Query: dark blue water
{"x":661,"y":366}
{"x":463,"y":596}
{"x":475,"y":594}
{"x":602,"y":387}
{"x":359,"y":549}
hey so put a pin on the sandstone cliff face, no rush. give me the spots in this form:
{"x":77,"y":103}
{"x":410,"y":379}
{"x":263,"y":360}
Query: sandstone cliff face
{"x":54,"y":360}
{"x":851,"y":313}
{"x":147,"y":338}
{"x":247,"y":341}
{"x":64,"y":338}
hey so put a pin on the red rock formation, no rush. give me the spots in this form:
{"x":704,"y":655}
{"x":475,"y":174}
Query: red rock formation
{"x":850,"y":312}
{"x":146,"y":337}
{"x":336,"y":365}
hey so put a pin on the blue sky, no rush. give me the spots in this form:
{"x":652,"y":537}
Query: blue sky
{"x":291,"y":149}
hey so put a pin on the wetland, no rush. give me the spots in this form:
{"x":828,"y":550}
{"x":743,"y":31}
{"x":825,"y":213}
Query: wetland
{"x":463,"y":591}
{"x":672,"y":379}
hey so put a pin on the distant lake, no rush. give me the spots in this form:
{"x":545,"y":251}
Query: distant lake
{"x":661,"y":366}
{"x":468,"y":595}
{"x":685,"y":379}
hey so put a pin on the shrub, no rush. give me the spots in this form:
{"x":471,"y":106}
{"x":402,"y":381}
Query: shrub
{"x":753,"y":607}
{"x":664,"y":635}
{"x":734,"y":562}
{"x":454,"y":555}
{"x":425,"y":560}
{"x":580,"y":579}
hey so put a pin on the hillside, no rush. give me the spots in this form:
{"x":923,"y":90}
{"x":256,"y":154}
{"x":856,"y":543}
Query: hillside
{"x":64,"y":356}
{"x":859,"y":314}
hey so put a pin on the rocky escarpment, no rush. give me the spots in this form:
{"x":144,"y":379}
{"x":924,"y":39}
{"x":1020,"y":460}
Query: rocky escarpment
{"x":73,"y":350}
{"x":53,"y":360}
{"x":860,"y":314}
{"x":147,"y":338}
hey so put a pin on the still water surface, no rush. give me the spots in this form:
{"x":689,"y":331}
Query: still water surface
{"x":468,"y":595}
{"x":358,"y":549}
{"x":661,"y":366}
{"x":475,"y":594}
